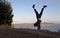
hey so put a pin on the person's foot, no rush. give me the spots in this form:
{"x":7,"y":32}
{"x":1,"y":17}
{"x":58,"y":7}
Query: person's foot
{"x":33,"y":6}
{"x":44,"y":6}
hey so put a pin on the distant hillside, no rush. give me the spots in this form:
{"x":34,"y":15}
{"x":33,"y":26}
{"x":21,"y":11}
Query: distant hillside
{"x":33,"y":23}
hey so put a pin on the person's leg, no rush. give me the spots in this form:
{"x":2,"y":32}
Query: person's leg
{"x":42,"y":11}
{"x":35,"y":11}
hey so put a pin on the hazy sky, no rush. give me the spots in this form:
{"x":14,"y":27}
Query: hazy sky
{"x":24,"y":13}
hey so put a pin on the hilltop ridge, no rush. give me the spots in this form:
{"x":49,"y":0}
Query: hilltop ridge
{"x":27,"y":33}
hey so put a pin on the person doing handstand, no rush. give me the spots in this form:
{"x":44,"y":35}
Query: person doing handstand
{"x":38,"y":16}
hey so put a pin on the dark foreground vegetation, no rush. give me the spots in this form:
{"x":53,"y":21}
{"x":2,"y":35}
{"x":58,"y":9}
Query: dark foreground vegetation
{"x":27,"y":33}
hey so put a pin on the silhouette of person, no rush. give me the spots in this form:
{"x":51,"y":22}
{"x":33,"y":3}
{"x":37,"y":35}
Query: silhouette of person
{"x":38,"y":16}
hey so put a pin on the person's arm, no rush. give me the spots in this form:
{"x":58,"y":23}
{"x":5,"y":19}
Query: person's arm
{"x":42,"y":11}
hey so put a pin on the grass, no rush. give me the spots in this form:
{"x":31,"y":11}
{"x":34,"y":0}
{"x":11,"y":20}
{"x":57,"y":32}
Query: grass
{"x":27,"y":33}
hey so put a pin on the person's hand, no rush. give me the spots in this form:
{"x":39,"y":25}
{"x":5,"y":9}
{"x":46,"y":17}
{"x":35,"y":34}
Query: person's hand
{"x":33,"y":6}
{"x":44,"y":6}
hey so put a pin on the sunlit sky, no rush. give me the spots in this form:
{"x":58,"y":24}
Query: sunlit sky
{"x":24,"y":13}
